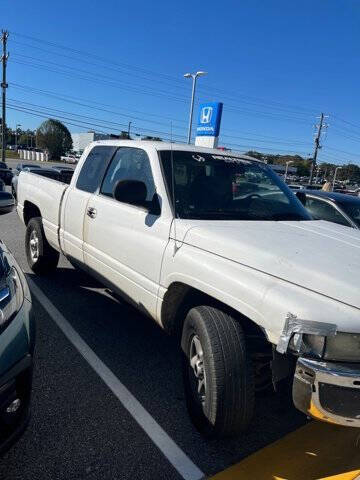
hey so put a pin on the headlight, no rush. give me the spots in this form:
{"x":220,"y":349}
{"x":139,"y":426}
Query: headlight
{"x":307,"y":344}
{"x":343,"y":347}
{"x":11,"y":297}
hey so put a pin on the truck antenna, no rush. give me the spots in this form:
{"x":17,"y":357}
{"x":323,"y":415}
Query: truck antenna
{"x":173,"y":187}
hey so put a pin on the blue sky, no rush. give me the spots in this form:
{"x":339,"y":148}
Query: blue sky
{"x":275,"y":64}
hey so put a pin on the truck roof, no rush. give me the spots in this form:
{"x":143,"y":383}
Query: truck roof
{"x":172,"y":146}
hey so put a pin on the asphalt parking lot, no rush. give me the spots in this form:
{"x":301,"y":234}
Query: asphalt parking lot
{"x":79,"y":429}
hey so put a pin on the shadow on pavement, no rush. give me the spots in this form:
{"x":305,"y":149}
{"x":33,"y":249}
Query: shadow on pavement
{"x":148,"y":363}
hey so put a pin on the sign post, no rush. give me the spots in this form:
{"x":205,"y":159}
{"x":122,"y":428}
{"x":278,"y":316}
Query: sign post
{"x":208,"y":126}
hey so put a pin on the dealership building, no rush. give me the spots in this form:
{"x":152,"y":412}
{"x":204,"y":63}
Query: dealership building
{"x":82,"y":140}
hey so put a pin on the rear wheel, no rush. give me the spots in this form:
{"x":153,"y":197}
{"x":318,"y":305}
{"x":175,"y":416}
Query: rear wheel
{"x":218,"y":374}
{"x":41,"y":257}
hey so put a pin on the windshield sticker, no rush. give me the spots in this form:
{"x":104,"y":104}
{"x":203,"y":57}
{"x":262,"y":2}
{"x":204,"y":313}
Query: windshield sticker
{"x":231,"y":159}
{"x":198,"y":158}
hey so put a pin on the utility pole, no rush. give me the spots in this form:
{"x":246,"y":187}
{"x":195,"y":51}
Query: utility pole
{"x":317,"y":147}
{"x":4,"y":85}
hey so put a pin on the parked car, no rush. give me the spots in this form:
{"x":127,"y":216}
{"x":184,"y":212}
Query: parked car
{"x":21,"y":166}
{"x":17,"y":341}
{"x":6,"y":173}
{"x":334,"y":207}
{"x":227,"y":274}
{"x":304,"y":187}
{"x":69,"y":159}
{"x":2,"y":185}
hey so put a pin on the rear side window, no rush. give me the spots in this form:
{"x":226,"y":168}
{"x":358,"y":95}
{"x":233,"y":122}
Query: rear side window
{"x":94,"y":167}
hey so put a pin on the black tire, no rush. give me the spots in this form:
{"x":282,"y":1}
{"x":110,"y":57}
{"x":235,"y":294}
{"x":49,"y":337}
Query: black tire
{"x":226,"y":408}
{"x":47,"y":257}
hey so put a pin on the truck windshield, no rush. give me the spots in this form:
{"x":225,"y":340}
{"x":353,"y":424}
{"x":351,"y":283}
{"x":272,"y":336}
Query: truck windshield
{"x":224,"y":187}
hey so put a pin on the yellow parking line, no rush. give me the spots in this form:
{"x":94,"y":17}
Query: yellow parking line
{"x":317,"y":451}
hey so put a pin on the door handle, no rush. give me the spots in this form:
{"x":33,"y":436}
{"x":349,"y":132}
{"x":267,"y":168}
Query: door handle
{"x":91,"y":212}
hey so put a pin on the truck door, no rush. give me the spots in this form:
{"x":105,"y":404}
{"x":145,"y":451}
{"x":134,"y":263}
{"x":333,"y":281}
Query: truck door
{"x":124,"y":244}
{"x":77,"y":198}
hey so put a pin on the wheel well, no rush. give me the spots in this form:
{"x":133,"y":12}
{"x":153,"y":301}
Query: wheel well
{"x":30,"y":211}
{"x":180,"y":298}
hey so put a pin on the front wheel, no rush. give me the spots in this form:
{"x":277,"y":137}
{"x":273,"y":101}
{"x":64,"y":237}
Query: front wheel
{"x":41,"y":257}
{"x":218,"y":375}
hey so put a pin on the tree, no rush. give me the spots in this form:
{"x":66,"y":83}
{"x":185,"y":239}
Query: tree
{"x":302,"y":164}
{"x":54,"y":136}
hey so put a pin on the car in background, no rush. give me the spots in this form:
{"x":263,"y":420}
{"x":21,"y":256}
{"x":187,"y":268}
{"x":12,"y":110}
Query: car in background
{"x":71,"y":158}
{"x":298,"y":186}
{"x":17,"y":342}
{"x":334,"y":207}
{"x":21,"y":166}
{"x":6,"y":173}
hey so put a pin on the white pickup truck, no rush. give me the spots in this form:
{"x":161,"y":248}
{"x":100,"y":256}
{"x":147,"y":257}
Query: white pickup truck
{"x":215,"y":248}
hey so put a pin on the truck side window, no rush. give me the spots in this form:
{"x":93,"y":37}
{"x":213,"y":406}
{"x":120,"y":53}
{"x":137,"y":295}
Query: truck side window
{"x":94,"y":167}
{"x":129,"y":164}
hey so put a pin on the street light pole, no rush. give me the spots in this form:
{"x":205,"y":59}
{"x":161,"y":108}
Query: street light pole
{"x":194,"y":77}
{"x":129,"y":129}
{"x":334,"y":179}
{"x":286,"y":169}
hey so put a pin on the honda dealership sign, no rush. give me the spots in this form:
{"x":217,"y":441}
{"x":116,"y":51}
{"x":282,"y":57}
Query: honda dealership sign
{"x":208,"y":126}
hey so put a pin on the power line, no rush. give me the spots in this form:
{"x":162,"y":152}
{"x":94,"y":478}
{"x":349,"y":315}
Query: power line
{"x":253,"y":100}
{"x":237,"y":137}
{"x":106,"y":62}
{"x":66,"y":98}
{"x":115,"y":84}
{"x":49,"y":111}
{"x":75,"y":100}
{"x":105,"y":129}
{"x":117,"y":70}
{"x":342,"y":151}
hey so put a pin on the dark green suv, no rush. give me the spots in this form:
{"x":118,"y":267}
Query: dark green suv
{"x":17,"y":341}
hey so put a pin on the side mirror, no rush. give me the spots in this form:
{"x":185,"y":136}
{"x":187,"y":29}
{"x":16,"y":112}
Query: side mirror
{"x":133,"y":192}
{"x":7,"y":203}
{"x":302,"y":197}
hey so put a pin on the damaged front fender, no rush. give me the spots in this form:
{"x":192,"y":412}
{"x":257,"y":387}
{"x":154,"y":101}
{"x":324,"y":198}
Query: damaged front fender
{"x":297,"y":326}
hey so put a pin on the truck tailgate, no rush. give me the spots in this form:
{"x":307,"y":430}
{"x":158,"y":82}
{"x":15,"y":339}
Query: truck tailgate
{"x":46,"y":195}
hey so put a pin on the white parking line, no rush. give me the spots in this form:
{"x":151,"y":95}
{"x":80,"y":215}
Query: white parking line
{"x":178,"y":459}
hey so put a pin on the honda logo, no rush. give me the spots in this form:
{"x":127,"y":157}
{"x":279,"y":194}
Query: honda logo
{"x":206,"y":114}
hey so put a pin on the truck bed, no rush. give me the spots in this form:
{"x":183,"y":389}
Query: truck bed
{"x":45,"y":194}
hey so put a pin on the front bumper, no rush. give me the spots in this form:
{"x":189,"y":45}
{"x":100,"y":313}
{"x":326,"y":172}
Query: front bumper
{"x":6,"y":177}
{"x":328,"y":391}
{"x":15,"y":385}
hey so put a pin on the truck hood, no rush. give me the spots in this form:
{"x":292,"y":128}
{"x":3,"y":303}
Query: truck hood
{"x":317,"y":255}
